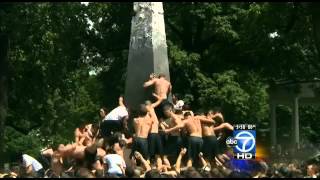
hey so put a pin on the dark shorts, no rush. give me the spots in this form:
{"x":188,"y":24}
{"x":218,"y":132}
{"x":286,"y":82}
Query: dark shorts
{"x":173,"y":146}
{"x":140,"y":145}
{"x":210,"y":147}
{"x":184,"y":141}
{"x":222,"y":145}
{"x":109,"y":126}
{"x":155,"y":145}
{"x":159,"y":109}
{"x":194,"y":147}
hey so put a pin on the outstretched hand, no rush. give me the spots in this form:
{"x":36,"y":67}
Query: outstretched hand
{"x":138,"y":155}
{"x":200,"y":154}
{"x":183,"y":151}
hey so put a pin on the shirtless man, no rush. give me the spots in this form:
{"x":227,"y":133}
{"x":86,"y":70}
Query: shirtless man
{"x":162,"y":88}
{"x":195,"y":142}
{"x":78,"y":152}
{"x":57,"y":153}
{"x":154,"y":139}
{"x":210,"y":150}
{"x":142,"y":126}
{"x":174,"y":141}
{"x":83,"y":134}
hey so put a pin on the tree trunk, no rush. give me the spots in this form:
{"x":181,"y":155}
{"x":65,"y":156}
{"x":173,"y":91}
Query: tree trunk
{"x":4,"y":49}
{"x":315,"y":13}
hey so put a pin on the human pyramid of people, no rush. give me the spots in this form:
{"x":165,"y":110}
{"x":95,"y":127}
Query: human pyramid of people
{"x":169,"y":140}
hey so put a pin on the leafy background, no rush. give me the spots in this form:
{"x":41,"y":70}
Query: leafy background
{"x":223,"y":54}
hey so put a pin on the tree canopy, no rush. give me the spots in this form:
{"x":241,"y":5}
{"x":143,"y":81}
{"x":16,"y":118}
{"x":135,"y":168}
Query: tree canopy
{"x":220,"y":54}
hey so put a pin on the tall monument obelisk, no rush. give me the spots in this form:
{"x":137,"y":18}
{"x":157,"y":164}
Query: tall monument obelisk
{"x":147,"y":51}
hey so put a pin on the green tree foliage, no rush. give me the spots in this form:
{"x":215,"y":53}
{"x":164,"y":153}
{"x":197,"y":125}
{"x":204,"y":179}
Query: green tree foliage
{"x":219,"y":53}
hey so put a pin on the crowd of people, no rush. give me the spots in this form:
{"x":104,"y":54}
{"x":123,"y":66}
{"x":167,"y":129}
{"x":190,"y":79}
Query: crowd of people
{"x":167,"y":140}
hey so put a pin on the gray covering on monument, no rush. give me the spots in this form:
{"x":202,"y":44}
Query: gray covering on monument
{"x":147,"y":51}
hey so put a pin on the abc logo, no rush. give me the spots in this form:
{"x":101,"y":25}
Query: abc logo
{"x":231,"y":142}
{"x":246,"y":141}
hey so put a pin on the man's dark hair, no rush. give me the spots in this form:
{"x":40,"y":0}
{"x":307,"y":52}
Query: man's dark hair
{"x":162,"y":75}
{"x":94,"y":129}
{"x":122,"y":143}
{"x":215,"y":173}
{"x":129,"y":172}
{"x":192,"y":173}
{"x":55,"y":145}
{"x":210,"y":111}
{"x":142,"y":110}
{"x":236,"y":174}
{"x":168,"y":107}
{"x":154,"y":173}
{"x":178,"y":111}
{"x":104,"y":109}
{"x":82,"y":125}
{"x":186,"y":114}
{"x":186,"y":107}
{"x":110,"y":151}
{"x":177,"y":96}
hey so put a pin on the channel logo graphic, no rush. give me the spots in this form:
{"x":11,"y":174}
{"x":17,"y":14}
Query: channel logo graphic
{"x":243,"y":141}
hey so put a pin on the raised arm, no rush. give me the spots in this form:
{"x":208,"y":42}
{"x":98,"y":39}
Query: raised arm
{"x":121,"y":101}
{"x":179,"y":125}
{"x":204,"y":119}
{"x":203,"y":161}
{"x":224,"y":126}
{"x":149,"y":83}
{"x":218,"y":115}
{"x":178,"y":162}
{"x":143,"y":161}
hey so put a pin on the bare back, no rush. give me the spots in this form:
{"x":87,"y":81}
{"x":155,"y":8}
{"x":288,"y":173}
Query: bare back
{"x":155,"y":122}
{"x":207,"y":129}
{"x":155,"y":126}
{"x":78,"y":153}
{"x":193,"y":126}
{"x":174,"y":120}
{"x":142,"y":126}
{"x":162,"y":87}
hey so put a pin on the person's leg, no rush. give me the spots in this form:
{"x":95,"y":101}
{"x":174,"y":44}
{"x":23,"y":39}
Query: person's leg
{"x":206,"y":149}
{"x":215,"y":148}
{"x":199,"y":148}
{"x":134,"y":147}
{"x":158,"y":150}
{"x":145,"y":149}
{"x":169,"y":150}
{"x":152,"y":145}
{"x":190,"y":152}
{"x":179,"y":146}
